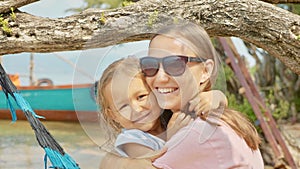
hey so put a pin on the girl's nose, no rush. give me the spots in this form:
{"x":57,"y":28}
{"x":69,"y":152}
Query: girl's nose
{"x":140,"y":105}
{"x":137,"y":107}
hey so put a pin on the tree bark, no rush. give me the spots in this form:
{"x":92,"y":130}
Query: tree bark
{"x":281,"y":1}
{"x":7,"y":4}
{"x":265,"y":25}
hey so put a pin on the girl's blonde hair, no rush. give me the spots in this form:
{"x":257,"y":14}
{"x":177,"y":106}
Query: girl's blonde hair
{"x":129,"y":66}
{"x":197,"y":39}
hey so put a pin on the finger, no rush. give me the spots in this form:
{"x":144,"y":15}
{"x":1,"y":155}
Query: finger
{"x":201,"y":107}
{"x":186,"y":120}
{"x":192,"y":106}
{"x":173,"y":119}
{"x":175,"y":115}
{"x":180,"y":117}
{"x":204,"y":109}
{"x":193,"y":103}
{"x":198,"y":107}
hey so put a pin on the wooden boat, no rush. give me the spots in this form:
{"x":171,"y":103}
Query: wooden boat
{"x":58,"y":103}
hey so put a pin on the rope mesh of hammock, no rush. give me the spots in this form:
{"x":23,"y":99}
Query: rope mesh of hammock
{"x":58,"y":158}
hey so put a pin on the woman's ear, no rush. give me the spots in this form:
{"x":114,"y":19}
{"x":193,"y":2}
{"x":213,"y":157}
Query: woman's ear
{"x":207,"y":70}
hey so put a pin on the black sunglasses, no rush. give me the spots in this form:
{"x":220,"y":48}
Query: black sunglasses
{"x":173,"y":65}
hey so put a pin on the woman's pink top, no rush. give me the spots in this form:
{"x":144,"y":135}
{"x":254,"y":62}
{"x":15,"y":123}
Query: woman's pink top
{"x":202,"y":145}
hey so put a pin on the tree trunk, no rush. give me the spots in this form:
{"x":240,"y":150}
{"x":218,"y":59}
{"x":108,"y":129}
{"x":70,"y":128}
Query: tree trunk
{"x":267,"y":26}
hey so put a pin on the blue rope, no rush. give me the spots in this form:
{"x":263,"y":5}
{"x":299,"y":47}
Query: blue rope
{"x":58,"y":160}
{"x":12,"y":110}
{"x":24,"y":105}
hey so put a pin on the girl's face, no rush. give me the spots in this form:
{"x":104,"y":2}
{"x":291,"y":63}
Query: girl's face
{"x":132,"y":104}
{"x":174,"y":92}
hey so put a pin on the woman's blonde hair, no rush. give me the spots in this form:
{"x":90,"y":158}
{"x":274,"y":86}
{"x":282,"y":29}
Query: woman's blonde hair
{"x":197,"y":39}
{"x":128,"y":66}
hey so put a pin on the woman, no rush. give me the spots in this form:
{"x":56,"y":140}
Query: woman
{"x":181,"y":63}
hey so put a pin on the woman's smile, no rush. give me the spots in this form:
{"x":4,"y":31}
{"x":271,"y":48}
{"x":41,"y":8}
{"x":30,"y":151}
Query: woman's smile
{"x":165,"y":90}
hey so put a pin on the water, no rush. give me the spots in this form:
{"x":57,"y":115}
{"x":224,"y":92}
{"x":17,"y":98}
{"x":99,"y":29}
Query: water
{"x":20,"y":150}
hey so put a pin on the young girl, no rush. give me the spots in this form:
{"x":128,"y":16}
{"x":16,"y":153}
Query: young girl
{"x":129,"y":107}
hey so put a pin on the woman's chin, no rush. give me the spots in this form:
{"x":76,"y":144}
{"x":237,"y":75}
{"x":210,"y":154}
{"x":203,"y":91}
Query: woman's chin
{"x":169,"y":105}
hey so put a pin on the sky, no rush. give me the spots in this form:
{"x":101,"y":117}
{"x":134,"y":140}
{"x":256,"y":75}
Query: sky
{"x":59,"y":66}
{"x":73,"y":67}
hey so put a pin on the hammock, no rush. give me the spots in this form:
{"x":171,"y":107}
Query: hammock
{"x":58,"y":158}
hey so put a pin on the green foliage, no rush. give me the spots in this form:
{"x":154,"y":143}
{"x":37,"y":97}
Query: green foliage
{"x":4,"y":23}
{"x":12,"y":14}
{"x":295,"y":8}
{"x":228,"y":72}
{"x":175,"y":20}
{"x":152,"y":18}
{"x":127,"y":3}
{"x":220,"y":83}
{"x":298,"y":37}
{"x":296,"y":100}
{"x":279,"y":108}
{"x":102,"y":19}
{"x":5,"y":26}
{"x":242,"y":106}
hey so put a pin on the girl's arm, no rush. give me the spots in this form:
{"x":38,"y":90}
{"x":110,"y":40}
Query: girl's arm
{"x":204,"y":102}
{"x":134,"y":150}
{"x":177,"y":121}
{"x":112,"y":161}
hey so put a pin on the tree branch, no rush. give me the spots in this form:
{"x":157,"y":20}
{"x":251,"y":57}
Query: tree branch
{"x":265,"y":25}
{"x":5,"y":5}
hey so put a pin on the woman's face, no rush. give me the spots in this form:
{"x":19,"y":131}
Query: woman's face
{"x":132,"y":103}
{"x":174,"y":92}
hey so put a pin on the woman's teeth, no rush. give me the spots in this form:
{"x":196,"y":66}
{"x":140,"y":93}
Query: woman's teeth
{"x":166,"y":90}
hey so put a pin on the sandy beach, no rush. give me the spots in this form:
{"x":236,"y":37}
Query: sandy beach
{"x":20,"y":150}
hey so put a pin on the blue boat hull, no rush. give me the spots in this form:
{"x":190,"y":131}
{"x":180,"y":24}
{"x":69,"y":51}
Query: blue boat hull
{"x":60,"y":103}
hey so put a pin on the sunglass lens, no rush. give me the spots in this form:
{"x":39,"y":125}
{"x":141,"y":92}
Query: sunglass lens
{"x":174,"y":65}
{"x":149,"y":66}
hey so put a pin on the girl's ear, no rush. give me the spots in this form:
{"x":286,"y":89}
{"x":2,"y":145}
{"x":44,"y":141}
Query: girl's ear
{"x":207,"y":70}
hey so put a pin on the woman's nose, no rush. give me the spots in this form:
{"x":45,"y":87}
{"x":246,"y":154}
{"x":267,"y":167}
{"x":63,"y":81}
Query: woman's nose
{"x":161,"y":74}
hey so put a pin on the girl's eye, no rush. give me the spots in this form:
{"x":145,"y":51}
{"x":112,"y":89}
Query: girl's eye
{"x":123,"y":107}
{"x":142,"y":97}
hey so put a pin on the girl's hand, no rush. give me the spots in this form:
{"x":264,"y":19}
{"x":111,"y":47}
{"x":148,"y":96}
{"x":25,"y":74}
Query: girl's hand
{"x":177,"y":121}
{"x":204,"y":102}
